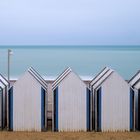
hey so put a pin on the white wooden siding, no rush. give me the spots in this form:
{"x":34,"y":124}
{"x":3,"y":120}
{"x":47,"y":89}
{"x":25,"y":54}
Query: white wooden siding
{"x":72,"y":104}
{"x":27,"y":104}
{"x":115,"y":104}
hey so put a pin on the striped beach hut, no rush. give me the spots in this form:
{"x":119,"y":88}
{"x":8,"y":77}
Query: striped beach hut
{"x":27,"y":98}
{"x":71,"y":103}
{"x":135,"y":83}
{"x":113,"y":102}
{"x":4,"y":85}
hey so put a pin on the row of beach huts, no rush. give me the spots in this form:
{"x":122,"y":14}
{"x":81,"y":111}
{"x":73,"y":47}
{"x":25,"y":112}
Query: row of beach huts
{"x":106,"y":103}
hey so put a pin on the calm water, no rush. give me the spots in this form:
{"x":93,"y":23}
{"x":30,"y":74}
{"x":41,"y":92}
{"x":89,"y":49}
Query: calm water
{"x":87,"y":61}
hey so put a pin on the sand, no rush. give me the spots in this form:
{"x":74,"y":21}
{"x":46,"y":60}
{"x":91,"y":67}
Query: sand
{"x":69,"y":136}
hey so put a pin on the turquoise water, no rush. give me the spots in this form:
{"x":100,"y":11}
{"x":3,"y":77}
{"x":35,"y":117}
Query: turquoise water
{"x":86,"y":61}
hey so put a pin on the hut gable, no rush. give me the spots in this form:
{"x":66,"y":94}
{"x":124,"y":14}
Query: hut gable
{"x":29,"y":78}
{"x":66,"y":75}
{"x":72,"y":80}
{"x":111,"y":78}
{"x":27,"y":81}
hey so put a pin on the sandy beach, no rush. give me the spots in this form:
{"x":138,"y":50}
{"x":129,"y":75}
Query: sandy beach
{"x":69,"y":136}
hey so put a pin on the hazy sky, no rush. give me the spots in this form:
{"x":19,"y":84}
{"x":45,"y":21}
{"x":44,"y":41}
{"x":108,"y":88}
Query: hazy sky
{"x":69,"y":22}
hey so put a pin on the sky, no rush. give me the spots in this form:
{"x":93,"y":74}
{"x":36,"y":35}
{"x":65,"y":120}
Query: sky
{"x":69,"y":22}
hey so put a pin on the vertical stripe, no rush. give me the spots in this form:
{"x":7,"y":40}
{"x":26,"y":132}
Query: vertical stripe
{"x":131,"y":108}
{"x":88,"y":109}
{"x":1,"y":105}
{"x":11,"y":108}
{"x":2,"y":111}
{"x":42,"y":109}
{"x":56,"y":109}
{"x":99,"y":104}
{"x":138,"y":109}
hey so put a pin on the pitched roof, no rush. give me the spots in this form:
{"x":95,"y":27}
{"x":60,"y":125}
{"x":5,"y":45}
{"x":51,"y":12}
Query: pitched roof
{"x":61,"y":77}
{"x":4,"y":80}
{"x":38,"y":77}
{"x":101,"y":77}
{"x":2,"y":85}
{"x":135,"y":79}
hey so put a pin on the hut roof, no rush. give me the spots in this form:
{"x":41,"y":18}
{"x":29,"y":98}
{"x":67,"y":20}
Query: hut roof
{"x":101,"y":77}
{"x":38,"y":77}
{"x":61,"y":77}
{"x":135,"y":79}
{"x":4,"y":80}
{"x":2,"y":85}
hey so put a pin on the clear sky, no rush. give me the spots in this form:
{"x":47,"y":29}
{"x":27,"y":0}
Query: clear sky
{"x":56,"y":22}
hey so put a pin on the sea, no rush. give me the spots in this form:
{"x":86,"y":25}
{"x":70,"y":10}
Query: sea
{"x":85,"y":60}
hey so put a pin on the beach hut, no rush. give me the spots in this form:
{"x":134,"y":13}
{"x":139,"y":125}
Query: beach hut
{"x":27,"y":103}
{"x":135,"y":83}
{"x":113,"y":102}
{"x":4,"y":85}
{"x":71,"y":103}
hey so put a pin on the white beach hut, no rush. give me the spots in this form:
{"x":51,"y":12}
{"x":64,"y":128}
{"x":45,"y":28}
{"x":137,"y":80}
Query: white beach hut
{"x":71,"y":103}
{"x":27,"y":97}
{"x":4,"y":85}
{"x":135,"y":83}
{"x":113,"y":102}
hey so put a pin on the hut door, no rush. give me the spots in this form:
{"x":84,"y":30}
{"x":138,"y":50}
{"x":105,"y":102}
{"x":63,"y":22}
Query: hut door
{"x":88,"y":109}
{"x":42,"y":109}
{"x":56,"y":109}
{"x":99,"y":109}
{"x":11,"y":108}
{"x":131,"y":110}
{"x":139,"y":109}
